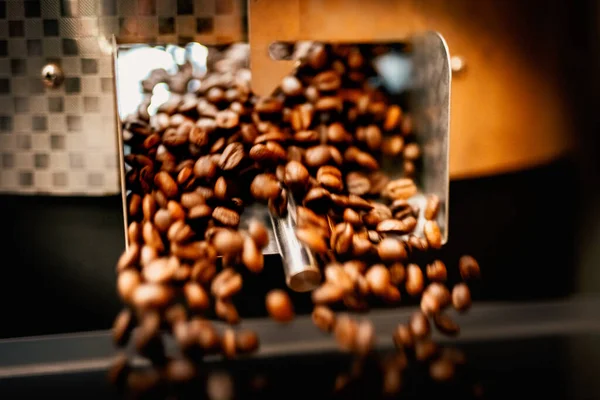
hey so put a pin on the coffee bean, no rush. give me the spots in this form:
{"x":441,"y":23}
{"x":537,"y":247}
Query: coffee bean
{"x":441,"y":370}
{"x":312,"y":239}
{"x":278,"y":205}
{"x":162,"y":220}
{"x":391,"y":249}
{"x":318,"y":199}
{"x":296,"y":176}
{"x":323,"y":318}
{"x":373,"y":137}
{"x":402,"y":188}
{"x":317,"y":156}
{"x":417,"y":243}
{"x":152,"y":237}
{"x":205,"y":168}
{"x":327,"y":293}
{"x":119,"y":370}
{"x":392,"y":146}
{"x":269,"y":105}
{"x":151,"y":295}
{"x":414,"y":280}
{"x":433,"y":234}
{"x":259,"y":233}
{"x":469,"y":268}
{"x":395,"y":226}
{"x":227,"y":119}
{"x":226,"y":284}
{"x":265,"y":187}
{"x":403,"y":337}
{"x":440,"y":293}
{"x":180,"y":371}
{"x":160,"y":270}
{"x":419,"y":325}
{"x":377,"y":214}
{"x":175,"y":314}
{"x":226,"y":310}
{"x":336,"y":275}
{"x":352,"y":217}
{"x":397,"y":273}
{"x":147,"y":337}
{"x":226,"y":216}
{"x":175,"y":210}
{"x":432,"y":207}
{"x":446,"y":325}
{"x":301,"y":117}
{"x":346,"y":332}
{"x":327,"y":81}
{"x":291,"y":86}
{"x":409,"y":168}
{"x":337,"y":134}
{"x":341,"y":238}
{"x":461,"y":297}
{"x":251,"y":256}
{"x":391,"y":294}
{"x":122,"y":327}
{"x":203,"y":271}
{"x":134,"y":233}
{"x":196,"y":297}
{"x":148,"y":207}
{"x":378,"y":278}
{"x":190,"y":251}
{"x":246,"y":342}
{"x":361,"y":246}
{"x":232,"y":156}
{"x":429,"y":304}
{"x":412,"y":152}
{"x":129,"y":258}
{"x":179,"y":232}
{"x":147,"y":255}
{"x":357,"y":183}
{"x":279,"y":306}
{"x":392,"y":117}
{"x":365,"y":337}
{"x":436,"y":271}
{"x":166,"y":184}
{"x":161,"y":199}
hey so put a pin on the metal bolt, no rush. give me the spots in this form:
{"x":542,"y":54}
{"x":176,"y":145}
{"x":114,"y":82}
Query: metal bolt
{"x":458,"y":64}
{"x":52,"y":75}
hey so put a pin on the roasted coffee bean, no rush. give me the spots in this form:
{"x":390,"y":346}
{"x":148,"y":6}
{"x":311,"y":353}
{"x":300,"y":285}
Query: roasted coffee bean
{"x":175,"y":210}
{"x":160,"y":270}
{"x":469,"y":268}
{"x":301,"y":117}
{"x":134,"y":233}
{"x":318,"y":199}
{"x":379,"y":212}
{"x":378,"y":181}
{"x":419,"y":325}
{"x":166,"y":184}
{"x":327,"y":293}
{"x":296,"y":176}
{"x":278,"y":205}
{"x":190,"y":251}
{"x":402,"y":188}
{"x":373,"y":137}
{"x":374,"y":237}
{"x":228,"y":343}
{"x":251,"y":256}
{"x":323,"y":318}
{"x":279,"y":306}
{"x":429,"y":304}
{"x":122,"y":327}
{"x":327,"y":81}
{"x":226,"y":216}
{"x":259,"y":233}
{"x":152,"y":296}
{"x":378,"y":278}
{"x":291,"y":86}
{"x":185,"y":174}
{"x":306,"y":137}
{"x":409,"y":168}
{"x":148,"y":207}
{"x":436,"y":271}
{"x":162,"y":220}
{"x":357,"y":183}
{"x":175,"y":314}
{"x":346,"y":332}
{"x":161,"y":199}
{"x":205,"y":168}
{"x":352,"y":217}
{"x":425,"y":349}
{"x":265,"y":187}
{"x":180,"y":371}
{"x":226,"y":284}
{"x":417,"y":243}
{"x":392,"y":117}
{"x":312,"y":239}
{"x":246,"y":342}
{"x":395,"y":226}
{"x":403,"y":337}
{"x":365,"y":337}
{"x":361,"y":246}
{"x":337,"y":134}
{"x":441,"y":370}
{"x":392,"y":146}
{"x":461,"y":297}
{"x":414,"y":280}
{"x":129,"y":258}
{"x":432,"y":207}
{"x":269,"y":105}
{"x":152,"y":237}
{"x":412,"y":152}
{"x":226,"y":310}
{"x":203,"y":271}
{"x":445,"y":324}
{"x":179,"y":232}
{"x":433,"y":234}
{"x":391,"y":250}
{"x":317,"y":156}
{"x":341,"y":238}
{"x":147,"y":255}
{"x":440,"y":293}
{"x":232,"y":156}
{"x":192,"y":199}
{"x":336,"y":275}
{"x":227,"y":119}
{"x":397,"y":273}
{"x":196,"y":297}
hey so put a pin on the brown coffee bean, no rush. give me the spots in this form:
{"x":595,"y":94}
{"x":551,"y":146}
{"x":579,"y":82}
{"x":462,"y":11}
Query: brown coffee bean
{"x":226,"y":310}
{"x":162,"y":220}
{"x":135,"y":203}
{"x":129,"y":258}
{"x":175,"y":314}
{"x":269,"y":105}
{"x":259,"y":233}
{"x":305,"y":137}
{"x":226,"y":284}
{"x":160,"y":270}
{"x":269,"y":152}
{"x":185,"y":173}
{"x":190,"y":251}
{"x":152,"y":296}
{"x":302,"y":116}
{"x":436,"y":271}
{"x":429,"y":304}
{"x":278,"y":205}
{"x":417,"y":243}
{"x":391,"y":249}
{"x":228,"y":343}
{"x":393,"y":145}
{"x":180,"y":371}
{"x":327,"y":81}
{"x":346,"y":331}
{"x":148,"y":207}
{"x":461,"y":297}
{"x":402,"y":188}
{"x":317,"y":199}
{"x":152,"y":237}
{"x":341,"y":238}
{"x":161,"y":199}
{"x":291,"y":86}
{"x":412,"y":151}
{"x":425,"y":350}
{"x":246,"y":342}
{"x":377,"y":214}
{"x":296,"y":176}
{"x":192,"y":199}
{"x":337,"y":134}
{"x":454,"y":355}
{"x":395,"y":226}
{"x":147,"y":337}
{"x":419,"y":325}
{"x":317,"y":156}
{"x":414,"y":280}
{"x":441,"y":370}
{"x":366,"y":161}
{"x":373,"y":137}
{"x":265,"y":187}
{"x":196,"y":297}
{"x":166,"y":184}
{"x":440,"y":293}
{"x":122,"y":327}
{"x":175,"y":210}
{"x":392,"y":117}
{"x":365,"y":337}
{"x":327,"y":293}
{"x":432,"y":207}
{"x":205,"y":168}
{"x":312,"y":239}
{"x":361,"y":246}
{"x":336,"y":275}
{"x":323,"y":318}
{"x":433,"y":234}
{"x":203,"y":271}
{"x":378,"y":278}
{"x":232,"y":156}
{"x":352,"y":217}
{"x":227,"y":119}
{"x":279,"y":306}
{"x":179,"y":232}
{"x":147,"y":255}
{"x":249,"y":133}
{"x":397,"y":273}
{"x":357,"y":183}
{"x":391,"y":295}
{"x":374,"y":237}
{"x":226,"y":216}
{"x":403,"y":337}
{"x":134,"y":233}
{"x":199,"y":213}
{"x":251,"y":256}
{"x":446,"y":325}
{"x":469,"y":267}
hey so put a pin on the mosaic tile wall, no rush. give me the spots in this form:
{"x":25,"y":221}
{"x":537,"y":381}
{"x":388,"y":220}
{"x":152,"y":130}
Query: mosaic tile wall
{"x":63,"y":141}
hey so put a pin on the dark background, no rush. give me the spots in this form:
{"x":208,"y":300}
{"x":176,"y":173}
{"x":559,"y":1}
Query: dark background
{"x":531,"y":230}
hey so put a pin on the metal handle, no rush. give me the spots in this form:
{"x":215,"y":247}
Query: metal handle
{"x":302,"y":273}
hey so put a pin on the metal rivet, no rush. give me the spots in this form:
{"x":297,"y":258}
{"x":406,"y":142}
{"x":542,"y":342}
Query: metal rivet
{"x":458,"y":64}
{"x":52,"y":75}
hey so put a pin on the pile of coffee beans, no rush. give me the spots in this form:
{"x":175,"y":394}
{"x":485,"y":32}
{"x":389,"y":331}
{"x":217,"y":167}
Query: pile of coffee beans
{"x":321,"y":139}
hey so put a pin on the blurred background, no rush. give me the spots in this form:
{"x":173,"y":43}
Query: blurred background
{"x":524,"y":144}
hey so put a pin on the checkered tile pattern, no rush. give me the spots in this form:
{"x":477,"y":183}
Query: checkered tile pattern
{"x":63,"y":140}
